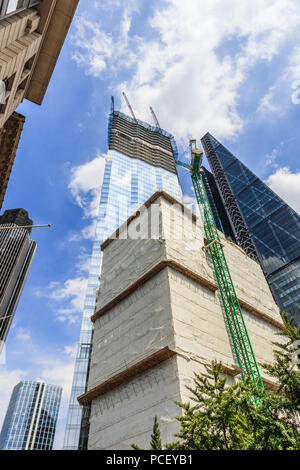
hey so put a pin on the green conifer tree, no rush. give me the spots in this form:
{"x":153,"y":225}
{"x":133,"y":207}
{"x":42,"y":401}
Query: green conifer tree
{"x":155,"y":440}
{"x":155,"y":443}
{"x":226,"y":417}
{"x":286,"y":368}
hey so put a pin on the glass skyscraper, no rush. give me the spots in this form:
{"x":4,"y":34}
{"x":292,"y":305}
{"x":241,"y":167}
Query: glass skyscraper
{"x":140,"y":161}
{"x":16,"y":255}
{"x":31,"y":417}
{"x":262,"y":223}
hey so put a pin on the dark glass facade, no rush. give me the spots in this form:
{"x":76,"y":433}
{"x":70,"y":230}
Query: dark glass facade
{"x":16,"y":255}
{"x":272,"y":226}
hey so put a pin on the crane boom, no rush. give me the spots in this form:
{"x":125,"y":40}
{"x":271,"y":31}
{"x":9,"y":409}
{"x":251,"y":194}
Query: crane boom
{"x":23,"y":226}
{"x":154,"y":117}
{"x":129,"y":105}
{"x":236,"y":327}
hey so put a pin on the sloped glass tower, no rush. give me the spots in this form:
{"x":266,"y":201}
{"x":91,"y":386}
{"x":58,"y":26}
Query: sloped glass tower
{"x":140,"y":161}
{"x":262,"y":223}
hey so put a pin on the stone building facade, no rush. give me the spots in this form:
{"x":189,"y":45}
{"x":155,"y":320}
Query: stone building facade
{"x":31,"y":37}
{"x":9,"y":140}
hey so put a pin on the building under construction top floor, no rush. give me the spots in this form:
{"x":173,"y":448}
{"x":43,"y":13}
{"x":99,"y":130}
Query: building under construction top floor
{"x":137,"y":139}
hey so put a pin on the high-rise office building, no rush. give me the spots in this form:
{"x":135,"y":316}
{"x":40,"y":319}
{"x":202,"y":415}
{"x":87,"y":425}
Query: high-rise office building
{"x":31,"y":417}
{"x":140,"y":161}
{"x":32,"y":33}
{"x":16,"y":255}
{"x":262,"y":223}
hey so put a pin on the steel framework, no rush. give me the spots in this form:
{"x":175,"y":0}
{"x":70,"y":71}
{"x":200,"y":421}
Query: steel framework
{"x":239,"y":226}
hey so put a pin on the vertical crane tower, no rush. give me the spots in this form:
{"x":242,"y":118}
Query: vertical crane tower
{"x":236,"y":327}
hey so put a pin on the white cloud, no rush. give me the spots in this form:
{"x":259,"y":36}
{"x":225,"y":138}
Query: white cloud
{"x":190,"y":202}
{"x":83,"y":262}
{"x":23,"y":334}
{"x":87,"y":233}
{"x":293,"y":75}
{"x":268,"y":102}
{"x":293,"y":71}
{"x":85,"y":184}
{"x":71,"y":350}
{"x":71,"y":294}
{"x":179,"y":71}
{"x":67,"y":297}
{"x":270,"y":162}
{"x":285,"y":92}
{"x":99,"y":48}
{"x":286,"y":184}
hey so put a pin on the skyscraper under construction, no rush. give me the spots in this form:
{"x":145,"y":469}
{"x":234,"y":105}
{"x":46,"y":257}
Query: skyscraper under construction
{"x":140,"y":161}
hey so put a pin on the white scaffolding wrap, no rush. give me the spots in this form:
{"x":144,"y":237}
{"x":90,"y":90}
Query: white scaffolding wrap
{"x":158,"y":320}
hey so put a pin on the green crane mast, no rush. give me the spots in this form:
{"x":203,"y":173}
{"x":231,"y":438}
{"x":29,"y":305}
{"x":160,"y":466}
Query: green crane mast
{"x":235,"y":321}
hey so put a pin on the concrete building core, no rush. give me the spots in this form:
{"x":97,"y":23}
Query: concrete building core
{"x":159,"y":318}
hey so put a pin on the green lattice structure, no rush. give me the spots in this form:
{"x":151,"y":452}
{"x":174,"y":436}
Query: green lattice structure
{"x":235,"y":321}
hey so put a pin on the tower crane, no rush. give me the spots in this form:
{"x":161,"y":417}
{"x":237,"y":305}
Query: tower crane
{"x":239,"y":337}
{"x":24,"y":226}
{"x":154,"y":117}
{"x":129,"y":105}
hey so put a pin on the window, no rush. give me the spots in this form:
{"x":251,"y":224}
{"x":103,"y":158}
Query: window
{"x":8,"y":86}
{"x":9,"y":82}
{"x":8,"y":7}
{"x":14,"y":5}
{"x":28,"y":64}
{"x":21,"y":87}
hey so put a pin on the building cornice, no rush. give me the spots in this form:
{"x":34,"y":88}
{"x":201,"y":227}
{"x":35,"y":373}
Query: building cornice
{"x":149,"y":275}
{"x":151,"y":361}
{"x":147,"y":363}
{"x":174,"y":265}
{"x":55,"y":20}
{"x":151,"y":200}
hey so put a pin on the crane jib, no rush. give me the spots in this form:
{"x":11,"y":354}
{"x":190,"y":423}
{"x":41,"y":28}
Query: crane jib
{"x":236,"y":327}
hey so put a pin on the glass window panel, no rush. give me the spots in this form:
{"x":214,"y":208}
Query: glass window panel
{"x":225,"y":157}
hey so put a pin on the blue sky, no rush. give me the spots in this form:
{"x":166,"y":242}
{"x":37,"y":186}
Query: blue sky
{"x":230,"y":67}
